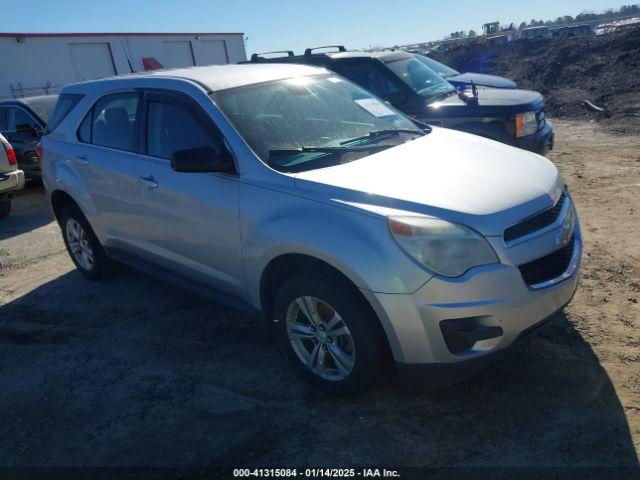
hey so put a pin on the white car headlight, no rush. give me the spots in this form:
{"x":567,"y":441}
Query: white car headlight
{"x":526,"y":124}
{"x":446,"y":248}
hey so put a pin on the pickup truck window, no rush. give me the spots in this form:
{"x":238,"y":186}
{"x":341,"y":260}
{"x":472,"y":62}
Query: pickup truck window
{"x":19,"y":119}
{"x":440,"y":68}
{"x":292,"y":123}
{"x":370,"y":76}
{"x":424,"y":81}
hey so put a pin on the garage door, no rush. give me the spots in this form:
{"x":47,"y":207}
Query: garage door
{"x":212,"y":52}
{"x":91,"y":60}
{"x":178,"y":54}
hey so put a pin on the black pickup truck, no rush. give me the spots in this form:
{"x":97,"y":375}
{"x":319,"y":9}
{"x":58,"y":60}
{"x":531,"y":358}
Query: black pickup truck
{"x":511,"y":116}
{"x":22,"y":122}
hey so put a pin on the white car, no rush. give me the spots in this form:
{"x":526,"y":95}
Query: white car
{"x":11,"y":179}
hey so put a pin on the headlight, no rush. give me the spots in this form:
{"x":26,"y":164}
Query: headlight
{"x":443,"y":247}
{"x":526,"y":124}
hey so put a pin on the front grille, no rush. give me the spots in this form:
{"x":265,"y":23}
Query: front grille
{"x":548,"y":267}
{"x":537,"y":222}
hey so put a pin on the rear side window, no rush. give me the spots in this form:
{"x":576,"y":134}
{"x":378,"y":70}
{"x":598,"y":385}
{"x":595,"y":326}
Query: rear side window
{"x":3,"y":119}
{"x":66,"y":103}
{"x":112,"y":122}
{"x":173,"y":127}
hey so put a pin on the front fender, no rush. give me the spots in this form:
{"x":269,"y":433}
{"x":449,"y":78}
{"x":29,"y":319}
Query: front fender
{"x":358,"y":245}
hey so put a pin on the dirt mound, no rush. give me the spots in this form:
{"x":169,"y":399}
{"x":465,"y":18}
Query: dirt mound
{"x":604,"y":70}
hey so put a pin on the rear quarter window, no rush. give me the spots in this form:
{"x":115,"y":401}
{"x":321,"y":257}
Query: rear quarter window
{"x":66,"y":102}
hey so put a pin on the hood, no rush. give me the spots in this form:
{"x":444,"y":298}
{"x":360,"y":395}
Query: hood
{"x":481,"y":80}
{"x":491,"y":102}
{"x":447,"y":174}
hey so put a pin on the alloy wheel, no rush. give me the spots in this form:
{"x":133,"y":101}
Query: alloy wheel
{"x":320,"y":338}
{"x":79,"y":244}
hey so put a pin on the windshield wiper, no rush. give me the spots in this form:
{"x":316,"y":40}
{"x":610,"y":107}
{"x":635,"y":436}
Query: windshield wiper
{"x":386,"y":131}
{"x":286,"y":151}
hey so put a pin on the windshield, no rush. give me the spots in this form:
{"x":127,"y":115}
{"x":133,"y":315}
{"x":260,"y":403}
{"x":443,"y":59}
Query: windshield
{"x":424,"y":81}
{"x":311,"y":122}
{"x":440,"y":68}
{"x":42,"y":106}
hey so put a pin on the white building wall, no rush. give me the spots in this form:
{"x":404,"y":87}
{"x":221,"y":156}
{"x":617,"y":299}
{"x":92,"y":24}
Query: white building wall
{"x":44,"y":64}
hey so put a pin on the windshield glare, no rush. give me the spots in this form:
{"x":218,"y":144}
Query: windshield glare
{"x":310,"y":111}
{"x":440,"y":68}
{"x":424,"y":81}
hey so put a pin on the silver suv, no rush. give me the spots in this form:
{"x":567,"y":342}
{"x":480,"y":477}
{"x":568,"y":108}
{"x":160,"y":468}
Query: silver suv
{"x":358,"y":234}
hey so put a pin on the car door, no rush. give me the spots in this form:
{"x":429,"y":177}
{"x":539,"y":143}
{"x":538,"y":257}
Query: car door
{"x":105,"y":158}
{"x":23,"y":132}
{"x":190,"y":220}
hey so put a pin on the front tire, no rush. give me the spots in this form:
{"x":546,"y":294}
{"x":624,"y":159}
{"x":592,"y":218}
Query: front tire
{"x":83,"y":245}
{"x":329,"y":333}
{"x":5,"y":208}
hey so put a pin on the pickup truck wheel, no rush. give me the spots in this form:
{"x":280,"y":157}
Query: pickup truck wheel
{"x":83,"y":245}
{"x":328,"y":333}
{"x":5,"y":208}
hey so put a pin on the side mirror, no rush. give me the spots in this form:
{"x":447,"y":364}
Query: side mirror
{"x":202,"y":159}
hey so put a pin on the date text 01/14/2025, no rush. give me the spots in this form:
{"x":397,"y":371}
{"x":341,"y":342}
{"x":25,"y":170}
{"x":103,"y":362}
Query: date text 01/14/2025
{"x":316,"y":472}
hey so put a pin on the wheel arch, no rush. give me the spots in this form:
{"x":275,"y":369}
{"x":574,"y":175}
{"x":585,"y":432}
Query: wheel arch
{"x":287,"y":265}
{"x":59,"y":200}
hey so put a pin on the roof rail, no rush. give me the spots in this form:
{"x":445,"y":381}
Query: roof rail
{"x":308,"y":51}
{"x":257,"y":56}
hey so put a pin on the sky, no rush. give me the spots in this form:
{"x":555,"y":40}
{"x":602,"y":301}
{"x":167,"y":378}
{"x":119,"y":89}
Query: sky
{"x":286,"y":24}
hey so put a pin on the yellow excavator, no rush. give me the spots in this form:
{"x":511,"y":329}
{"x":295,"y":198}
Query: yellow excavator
{"x":492,"y":32}
{"x":491,"y":28}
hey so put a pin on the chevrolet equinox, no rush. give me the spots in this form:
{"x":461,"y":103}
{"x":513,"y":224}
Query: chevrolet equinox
{"x":359,"y":234}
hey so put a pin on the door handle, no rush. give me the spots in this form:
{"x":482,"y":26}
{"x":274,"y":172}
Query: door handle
{"x":82,"y":160}
{"x":148,"y":181}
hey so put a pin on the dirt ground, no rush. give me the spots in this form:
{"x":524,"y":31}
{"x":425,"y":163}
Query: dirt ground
{"x":134,"y":372}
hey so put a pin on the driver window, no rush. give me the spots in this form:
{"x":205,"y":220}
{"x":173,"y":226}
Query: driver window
{"x":172,"y":127}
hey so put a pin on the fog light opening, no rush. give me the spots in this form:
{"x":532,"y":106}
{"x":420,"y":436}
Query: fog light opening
{"x":467,"y":335}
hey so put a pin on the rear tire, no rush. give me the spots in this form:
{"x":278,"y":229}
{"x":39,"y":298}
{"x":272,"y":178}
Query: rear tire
{"x":83,"y":245}
{"x":5,"y":208}
{"x":342,"y":349}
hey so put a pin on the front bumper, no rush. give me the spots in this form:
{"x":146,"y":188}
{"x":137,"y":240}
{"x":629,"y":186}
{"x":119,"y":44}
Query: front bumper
{"x":541,"y":142}
{"x":432,"y":376}
{"x":492,"y":305}
{"x":11,"y":183}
